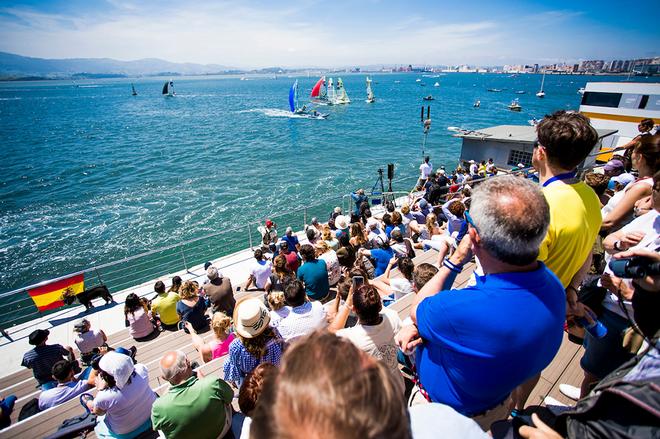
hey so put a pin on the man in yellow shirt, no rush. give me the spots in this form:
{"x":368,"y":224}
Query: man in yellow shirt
{"x":165,"y":306}
{"x":564,"y":141}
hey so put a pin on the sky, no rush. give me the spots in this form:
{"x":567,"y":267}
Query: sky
{"x":299,"y":33}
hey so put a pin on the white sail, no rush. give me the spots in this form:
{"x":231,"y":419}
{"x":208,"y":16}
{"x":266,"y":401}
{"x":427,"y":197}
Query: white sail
{"x":541,"y":93}
{"x":332,"y":94}
{"x":370,"y":93}
{"x":168,"y":88}
{"x":342,"y":96}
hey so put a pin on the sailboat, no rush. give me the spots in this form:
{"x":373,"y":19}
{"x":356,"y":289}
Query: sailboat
{"x":134,"y":93}
{"x":541,"y":93}
{"x":437,"y":84}
{"x":293,"y":100}
{"x":168,"y":88}
{"x":319,"y":92}
{"x":341,"y":97}
{"x":370,"y":94}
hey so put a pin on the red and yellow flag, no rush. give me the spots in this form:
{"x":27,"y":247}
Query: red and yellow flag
{"x":51,"y":296}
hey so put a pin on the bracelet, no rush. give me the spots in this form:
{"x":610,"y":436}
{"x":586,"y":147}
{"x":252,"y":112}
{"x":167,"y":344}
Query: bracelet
{"x":455,"y":268}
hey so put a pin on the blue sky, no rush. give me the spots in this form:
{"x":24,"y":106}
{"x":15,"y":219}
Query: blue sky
{"x":331,"y":33}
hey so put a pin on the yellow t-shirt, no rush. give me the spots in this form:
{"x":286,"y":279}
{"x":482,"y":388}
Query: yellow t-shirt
{"x":575,"y":220}
{"x":165,"y":306}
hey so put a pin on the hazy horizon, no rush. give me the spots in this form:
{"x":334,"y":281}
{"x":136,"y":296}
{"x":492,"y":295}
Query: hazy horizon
{"x":314,"y":34}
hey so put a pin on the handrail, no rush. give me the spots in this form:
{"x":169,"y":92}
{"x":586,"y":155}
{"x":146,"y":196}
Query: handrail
{"x":159,"y":250}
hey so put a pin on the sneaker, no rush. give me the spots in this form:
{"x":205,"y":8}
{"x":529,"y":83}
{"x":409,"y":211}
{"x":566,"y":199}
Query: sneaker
{"x":570,"y":391}
{"x":556,"y":407}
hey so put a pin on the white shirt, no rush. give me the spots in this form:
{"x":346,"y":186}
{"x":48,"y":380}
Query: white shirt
{"x":400,"y":287}
{"x":292,"y":323}
{"x":89,"y":340}
{"x":426,"y":420}
{"x":332,"y":264}
{"x":377,"y":237}
{"x":649,"y":223}
{"x":425,"y":170}
{"x":473,"y":169}
{"x":378,"y":340}
{"x":261,"y":271}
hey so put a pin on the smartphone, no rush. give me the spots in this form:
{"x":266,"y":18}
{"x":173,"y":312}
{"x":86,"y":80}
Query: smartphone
{"x":238,"y":288}
{"x":357,"y":281}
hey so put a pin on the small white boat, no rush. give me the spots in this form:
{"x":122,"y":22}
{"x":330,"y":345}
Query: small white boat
{"x":541,"y":93}
{"x":515,"y":105}
{"x":370,"y":94}
{"x":418,"y":80}
{"x":581,"y":91}
{"x":437,"y":84}
{"x":477,"y":103}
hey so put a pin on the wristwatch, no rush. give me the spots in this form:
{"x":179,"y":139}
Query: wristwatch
{"x":617,"y":245}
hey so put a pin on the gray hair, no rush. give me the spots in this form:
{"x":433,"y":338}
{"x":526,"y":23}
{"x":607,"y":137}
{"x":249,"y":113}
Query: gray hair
{"x":177,"y":368}
{"x":512,"y":217}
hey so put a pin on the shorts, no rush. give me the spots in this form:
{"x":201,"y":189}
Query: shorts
{"x":603,"y":355}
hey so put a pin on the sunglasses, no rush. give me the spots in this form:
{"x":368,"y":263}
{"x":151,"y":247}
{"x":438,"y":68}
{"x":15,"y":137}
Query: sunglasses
{"x":470,"y":221}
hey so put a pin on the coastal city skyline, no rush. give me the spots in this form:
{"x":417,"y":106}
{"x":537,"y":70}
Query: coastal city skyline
{"x":310,"y":33}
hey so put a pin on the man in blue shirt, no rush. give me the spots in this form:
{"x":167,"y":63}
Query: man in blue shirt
{"x":292,"y":240}
{"x":314,"y":274}
{"x":478,"y":344}
{"x":358,"y":198}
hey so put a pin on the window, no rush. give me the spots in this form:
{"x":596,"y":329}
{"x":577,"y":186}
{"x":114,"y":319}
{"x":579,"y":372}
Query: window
{"x":630,"y":101}
{"x":653,"y":103}
{"x":516,"y":157}
{"x":599,"y":99}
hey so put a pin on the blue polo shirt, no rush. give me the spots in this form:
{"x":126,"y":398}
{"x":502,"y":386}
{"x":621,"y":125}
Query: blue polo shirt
{"x":481,"y":342}
{"x":292,"y":241}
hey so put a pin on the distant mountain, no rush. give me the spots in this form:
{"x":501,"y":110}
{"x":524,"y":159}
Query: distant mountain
{"x":16,"y":66}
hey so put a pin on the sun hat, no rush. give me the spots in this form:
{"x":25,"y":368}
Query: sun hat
{"x":251,"y":317}
{"x":423,"y":203}
{"x":372,"y":222}
{"x":38,"y":336}
{"x":342,"y":222}
{"x":624,"y":179}
{"x":120,"y":366}
{"x":614,"y":165}
{"x":337,"y":209}
{"x":471,"y":161}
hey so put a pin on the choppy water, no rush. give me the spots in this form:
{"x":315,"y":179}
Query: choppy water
{"x":90,"y":174}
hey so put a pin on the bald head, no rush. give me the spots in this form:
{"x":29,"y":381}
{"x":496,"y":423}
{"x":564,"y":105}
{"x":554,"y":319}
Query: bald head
{"x":174,"y":367}
{"x":511,"y":216}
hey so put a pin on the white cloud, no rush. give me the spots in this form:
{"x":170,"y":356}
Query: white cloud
{"x":309,"y":33}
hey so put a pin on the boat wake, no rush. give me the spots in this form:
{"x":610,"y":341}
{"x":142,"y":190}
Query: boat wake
{"x":277,"y":112}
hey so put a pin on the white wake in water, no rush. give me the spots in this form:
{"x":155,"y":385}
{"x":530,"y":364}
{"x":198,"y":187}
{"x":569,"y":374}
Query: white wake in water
{"x":275,"y":112}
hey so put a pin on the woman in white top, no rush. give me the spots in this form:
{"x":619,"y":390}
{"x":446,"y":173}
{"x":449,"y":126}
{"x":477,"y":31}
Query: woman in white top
{"x":124,"y":398}
{"x":398,"y":287}
{"x":619,"y":211}
{"x":329,"y":256}
{"x":427,"y":230}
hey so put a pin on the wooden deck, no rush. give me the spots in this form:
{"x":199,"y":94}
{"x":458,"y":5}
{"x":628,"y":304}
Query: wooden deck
{"x":563,"y":369}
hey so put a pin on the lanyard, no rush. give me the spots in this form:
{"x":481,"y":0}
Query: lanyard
{"x":565,"y":176}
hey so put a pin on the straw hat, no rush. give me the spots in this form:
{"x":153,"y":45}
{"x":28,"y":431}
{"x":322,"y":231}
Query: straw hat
{"x":342,"y":222}
{"x":251,"y":317}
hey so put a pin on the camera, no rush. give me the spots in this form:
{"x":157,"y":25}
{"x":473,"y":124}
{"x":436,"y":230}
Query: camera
{"x":635,"y":267}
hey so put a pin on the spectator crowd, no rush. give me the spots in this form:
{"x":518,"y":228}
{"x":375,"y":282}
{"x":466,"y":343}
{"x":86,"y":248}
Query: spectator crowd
{"x":320,"y":350}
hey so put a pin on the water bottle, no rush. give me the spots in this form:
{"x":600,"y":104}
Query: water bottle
{"x":596,"y":329}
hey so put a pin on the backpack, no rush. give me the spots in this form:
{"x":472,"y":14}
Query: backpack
{"x":616,"y":409}
{"x":30,"y":408}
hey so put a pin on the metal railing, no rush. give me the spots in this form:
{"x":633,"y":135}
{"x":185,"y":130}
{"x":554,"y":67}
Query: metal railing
{"x":17,"y":306}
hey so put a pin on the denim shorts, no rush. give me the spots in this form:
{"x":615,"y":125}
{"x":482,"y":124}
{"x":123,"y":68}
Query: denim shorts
{"x":603,"y":355}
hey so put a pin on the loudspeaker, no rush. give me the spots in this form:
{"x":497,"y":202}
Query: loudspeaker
{"x":390,"y":171}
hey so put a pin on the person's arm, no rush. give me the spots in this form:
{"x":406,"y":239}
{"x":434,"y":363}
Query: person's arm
{"x":573,"y":305}
{"x":649,"y":283}
{"x":622,"y":240}
{"x":462,"y":254}
{"x":250,"y":280}
{"x":342,"y":315}
{"x":105,"y":337}
{"x":630,"y":144}
{"x":625,"y":206}
{"x":386,"y":276}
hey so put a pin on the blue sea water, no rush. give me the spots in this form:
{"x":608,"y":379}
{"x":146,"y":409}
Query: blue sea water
{"x":91,"y":174}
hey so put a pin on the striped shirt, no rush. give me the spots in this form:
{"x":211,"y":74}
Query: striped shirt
{"x":41,"y":360}
{"x":241,"y":362}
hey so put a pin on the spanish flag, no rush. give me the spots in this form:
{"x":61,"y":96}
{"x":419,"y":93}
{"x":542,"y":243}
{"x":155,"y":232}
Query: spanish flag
{"x":51,"y":296}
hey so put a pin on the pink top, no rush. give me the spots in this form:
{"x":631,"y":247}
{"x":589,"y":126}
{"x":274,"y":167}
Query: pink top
{"x":222,"y":348}
{"x":140,"y":325}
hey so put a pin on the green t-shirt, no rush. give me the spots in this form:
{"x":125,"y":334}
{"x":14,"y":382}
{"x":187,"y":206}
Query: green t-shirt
{"x":165,"y":306}
{"x":194,"y":408}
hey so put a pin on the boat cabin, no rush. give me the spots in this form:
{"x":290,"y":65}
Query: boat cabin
{"x":509,"y":145}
